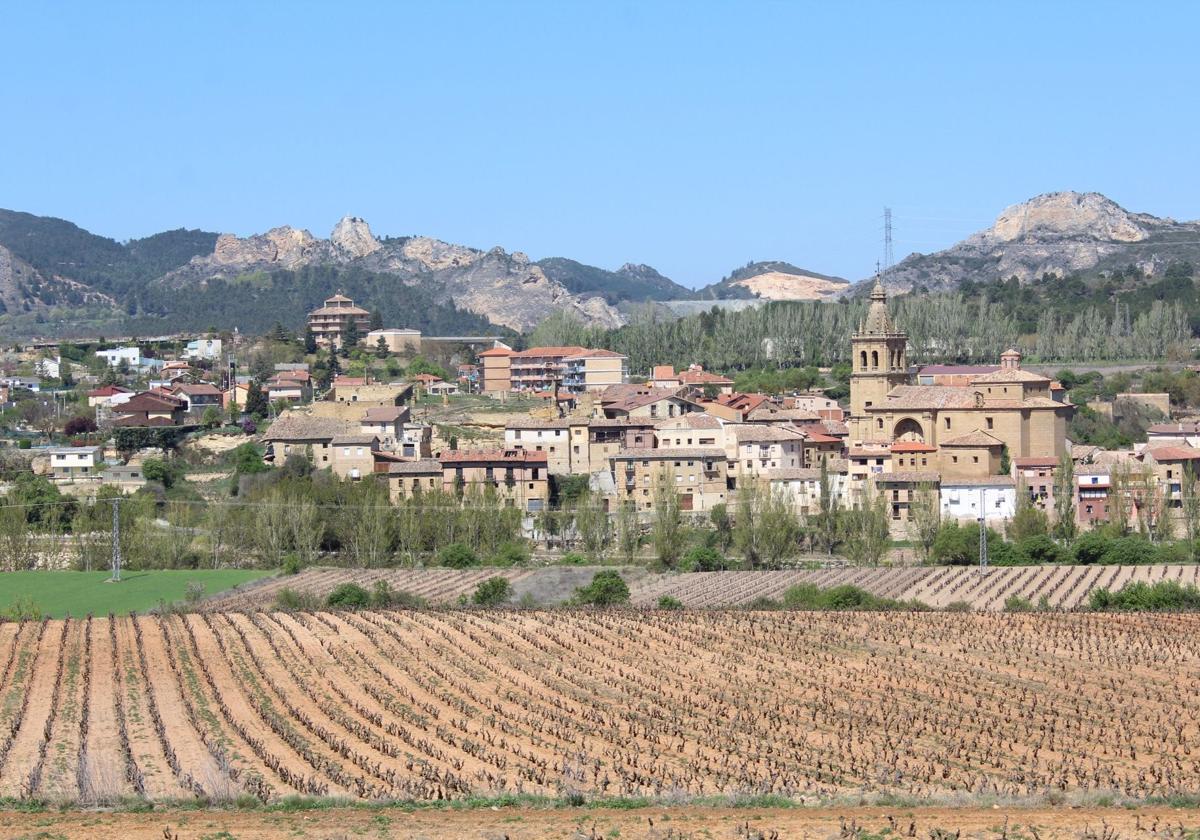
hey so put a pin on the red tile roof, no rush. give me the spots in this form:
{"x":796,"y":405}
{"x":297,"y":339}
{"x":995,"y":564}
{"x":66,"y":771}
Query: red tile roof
{"x":911,"y":446}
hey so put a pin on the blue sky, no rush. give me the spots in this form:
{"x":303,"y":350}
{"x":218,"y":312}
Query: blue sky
{"x":690,"y":136}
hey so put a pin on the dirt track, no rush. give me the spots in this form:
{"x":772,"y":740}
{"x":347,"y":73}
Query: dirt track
{"x":1151,"y":823}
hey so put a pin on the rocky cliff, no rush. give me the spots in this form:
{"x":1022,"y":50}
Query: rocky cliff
{"x":505,"y":288}
{"x":1058,"y":233}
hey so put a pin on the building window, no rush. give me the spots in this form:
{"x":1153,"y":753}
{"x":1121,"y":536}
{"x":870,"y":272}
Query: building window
{"x":988,"y":420}
{"x":954,"y":458}
{"x":874,"y":359}
{"x":975,"y":459}
{"x":947,"y":422}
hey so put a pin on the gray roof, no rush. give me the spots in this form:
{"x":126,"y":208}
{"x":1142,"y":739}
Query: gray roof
{"x":666,"y":454}
{"x":302,"y":427}
{"x":422,"y":466}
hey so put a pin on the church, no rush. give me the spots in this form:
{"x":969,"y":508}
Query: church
{"x":961,"y":430}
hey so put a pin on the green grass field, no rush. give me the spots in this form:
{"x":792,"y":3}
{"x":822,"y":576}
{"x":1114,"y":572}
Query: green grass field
{"x":78,"y":593}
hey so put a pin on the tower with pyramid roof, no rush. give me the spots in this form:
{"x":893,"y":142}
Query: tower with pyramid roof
{"x":879,"y":361}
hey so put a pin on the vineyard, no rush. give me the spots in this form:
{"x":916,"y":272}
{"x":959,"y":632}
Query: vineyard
{"x":443,"y":705}
{"x":1064,"y":587}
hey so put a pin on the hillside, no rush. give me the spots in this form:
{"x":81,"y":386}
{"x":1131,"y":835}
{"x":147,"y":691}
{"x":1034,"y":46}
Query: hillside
{"x":630,"y":282}
{"x":1064,"y":234}
{"x":774,"y":280}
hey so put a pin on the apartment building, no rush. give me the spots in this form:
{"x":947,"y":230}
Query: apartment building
{"x":964,"y":498}
{"x":406,"y":479}
{"x":803,"y":486}
{"x":352,"y":456}
{"x":550,"y":436}
{"x":595,"y":440}
{"x":760,"y":449}
{"x":519,"y":477}
{"x":594,"y":370}
{"x":386,"y":422}
{"x":495,"y":370}
{"x":330,"y":322}
{"x":698,"y":475}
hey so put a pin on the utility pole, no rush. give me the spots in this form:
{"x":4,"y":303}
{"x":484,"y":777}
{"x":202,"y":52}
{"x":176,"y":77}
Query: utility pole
{"x":116,"y":542}
{"x":983,"y":547}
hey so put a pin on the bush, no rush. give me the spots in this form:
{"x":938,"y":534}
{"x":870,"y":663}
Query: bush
{"x":1164,"y":595}
{"x":1090,"y":548}
{"x":290,"y":599}
{"x":702,"y":559}
{"x":606,"y":589}
{"x":958,"y":607}
{"x":457,"y":556}
{"x":1129,"y":551}
{"x":492,"y":592}
{"x":23,"y":608}
{"x":383,"y":596}
{"x":25,"y":443}
{"x":574,"y":558}
{"x":1174,"y":552}
{"x":806,"y":596}
{"x":1040,"y":549}
{"x":666,"y":602}
{"x":511,"y":554}
{"x":291,"y":565}
{"x":349,"y":596}
{"x":762,"y":602}
{"x":1015,"y":603}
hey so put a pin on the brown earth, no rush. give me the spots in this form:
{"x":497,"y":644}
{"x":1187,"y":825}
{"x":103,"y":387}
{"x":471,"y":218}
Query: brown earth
{"x":670,"y":823}
{"x":422,"y":706}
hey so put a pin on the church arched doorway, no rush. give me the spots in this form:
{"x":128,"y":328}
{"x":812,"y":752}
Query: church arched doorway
{"x":909,"y":430}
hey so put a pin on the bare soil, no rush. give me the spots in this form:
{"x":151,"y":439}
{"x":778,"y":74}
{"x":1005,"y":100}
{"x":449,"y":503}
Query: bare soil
{"x":672,"y":823}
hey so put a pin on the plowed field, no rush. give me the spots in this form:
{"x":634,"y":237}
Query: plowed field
{"x":446,"y":705}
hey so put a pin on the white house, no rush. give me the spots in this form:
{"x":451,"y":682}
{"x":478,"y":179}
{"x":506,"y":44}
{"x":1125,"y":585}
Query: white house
{"x":962,"y":499}
{"x":203,"y":348}
{"x":73,"y":461}
{"x":803,"y":486}
{"x":131,"y":356}
{"x":49,"y":368}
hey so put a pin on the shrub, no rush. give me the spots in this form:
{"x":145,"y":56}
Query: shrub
{"x":291,"y":565}
{"x":762,"y":602}
{"x":382,"y":596}
{"x":193,"y":593}
{"x":1015,"y":603}
{"x":958,"y":607}
{"x":1164,"y":595}
{"x":24,"y":443}
{"x":492,"y":592}
{"x":606,"y":589}
{"x":1174,"y":552}
{"x":574,"y":558}
{"x":1040,"y":549}
{"x":291,"y":599}
{"x":348,"y":596}
{"x":511,"y":554}
{"x":23,"y":608}
{"x":806,"y":596}
{"x":1090,"y":548}
{"x":666,"y":602}
{"x":457,"y":556}
{"x":702,"y":559}
{"x":1129,"y":551}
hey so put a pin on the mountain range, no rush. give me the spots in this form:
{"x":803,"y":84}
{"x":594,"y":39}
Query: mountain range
{"x":57,"y":278}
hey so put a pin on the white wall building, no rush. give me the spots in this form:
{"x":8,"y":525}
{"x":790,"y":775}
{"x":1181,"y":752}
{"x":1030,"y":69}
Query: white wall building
{"x":203,"y":348}
{"x":73,"y":461}
{"x":963,"y":498}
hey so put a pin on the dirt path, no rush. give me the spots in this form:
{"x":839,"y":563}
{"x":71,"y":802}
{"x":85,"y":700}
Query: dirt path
{"x":675,"y":823}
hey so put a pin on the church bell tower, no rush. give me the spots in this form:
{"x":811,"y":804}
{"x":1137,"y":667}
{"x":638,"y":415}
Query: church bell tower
{"x":879,"y":362}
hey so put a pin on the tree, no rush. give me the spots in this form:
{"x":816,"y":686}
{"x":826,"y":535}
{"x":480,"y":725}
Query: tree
{"x":310,"y":341}
{"x":628,"y":531}
{"x":457,"y":556}
{"x":307,"y":529}
{"x":825,"y":521}
{"x":366,"y":530}
{"x":722,"y":526}
{"x":164,"y":472}
{"x":1118,"y":500}
{"x":668,"y":522}
{"x":606,"y":589}
{"x":1064,"y":499}
{"x":1005,"y":462}
{"x":765,"y":527}
{"x":1028,"y":520}
{"x":278,"y":333}
{"x":349,"y":596}
{"x":492,"y":592}
{"x":256,"y":400}
{"x":1190,"y":509}
{"x":924,"y":517}
{"x":376,"y":320}
{"x":211,"y":417}
{"x":79,"y":425}
{"x":381,"y":348}
{"x":591,"y":522}
{"x":865,"y":535}
{"x":350,"y":336}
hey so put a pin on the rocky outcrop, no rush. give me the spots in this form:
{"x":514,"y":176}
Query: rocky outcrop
{"x":281,"y":247}
{"x":505,"y":288}
{"x":352,"y":238}
{"x":1057,"y":233}
{"x":25,"y":289}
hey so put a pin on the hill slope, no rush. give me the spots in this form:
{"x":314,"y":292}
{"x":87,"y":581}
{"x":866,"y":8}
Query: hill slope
{"x":774,"y":280}
{"x":1061,"y":233}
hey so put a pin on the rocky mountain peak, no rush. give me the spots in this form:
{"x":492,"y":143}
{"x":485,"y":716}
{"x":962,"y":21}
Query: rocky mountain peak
{"x":1069,"y":214}
{"x":286,"y":246}
{"x":352,"y":238}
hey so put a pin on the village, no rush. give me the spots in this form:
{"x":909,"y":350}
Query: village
{"x":535,"y":427}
